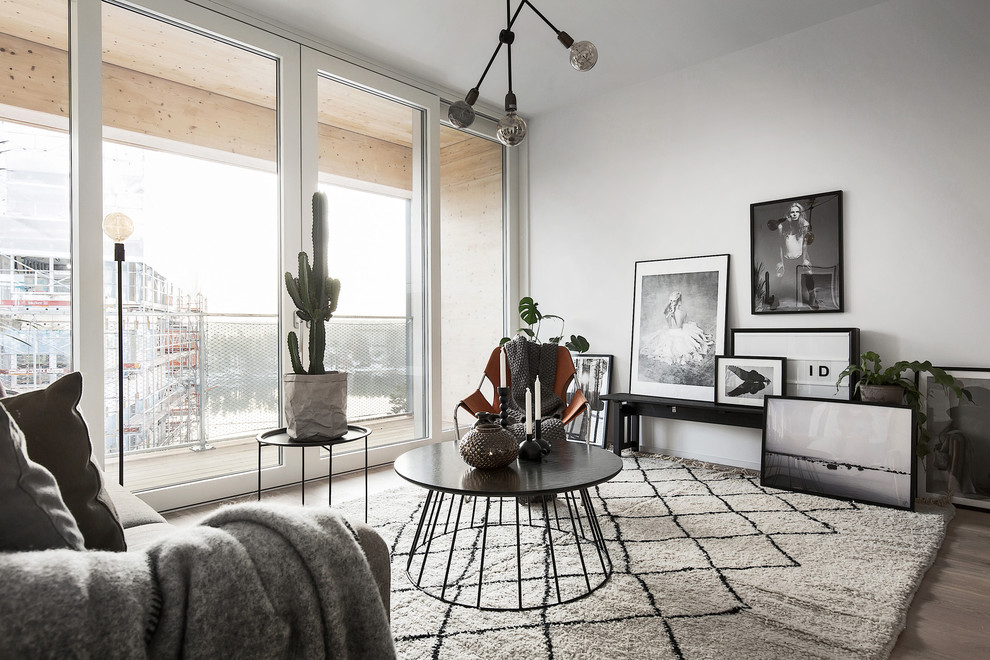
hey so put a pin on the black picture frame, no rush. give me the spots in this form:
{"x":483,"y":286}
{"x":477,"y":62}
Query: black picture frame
{"x":848,"y":450}
{"x":679,"y":326}
{"x":815,"y":356}
{"x":959,"y":458}
{"x":796,"y":255}
{"x":593,"y":374}
{"x":746,"y":380}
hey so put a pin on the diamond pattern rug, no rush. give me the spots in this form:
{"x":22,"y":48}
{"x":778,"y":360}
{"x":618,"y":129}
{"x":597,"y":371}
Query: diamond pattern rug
{"x":707,"y":564}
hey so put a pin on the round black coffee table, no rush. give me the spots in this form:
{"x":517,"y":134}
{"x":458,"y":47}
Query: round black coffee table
{"x":521,"y":537}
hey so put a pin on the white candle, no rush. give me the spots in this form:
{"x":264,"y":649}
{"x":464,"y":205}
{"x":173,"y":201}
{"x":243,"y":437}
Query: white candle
{"x":537,"y":400}
{"x":501,"y":368}
{"x":529,"y":414}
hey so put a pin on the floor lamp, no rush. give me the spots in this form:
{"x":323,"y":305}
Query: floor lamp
{"x":118,"y":227}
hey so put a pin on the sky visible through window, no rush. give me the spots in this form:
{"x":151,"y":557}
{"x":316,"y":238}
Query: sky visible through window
{"x":212,"y":227}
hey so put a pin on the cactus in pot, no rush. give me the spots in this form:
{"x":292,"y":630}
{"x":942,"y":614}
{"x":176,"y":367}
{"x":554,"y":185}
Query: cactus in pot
{"x":315,"y":400}
{"x":314,"y":293}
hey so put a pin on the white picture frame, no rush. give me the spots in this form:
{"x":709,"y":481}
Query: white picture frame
{"x":815,"y":356}
{"x":746,"y":380}
{"x":679,"y":326}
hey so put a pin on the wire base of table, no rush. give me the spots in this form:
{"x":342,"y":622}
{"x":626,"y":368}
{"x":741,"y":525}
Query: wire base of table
{"x":505,"y":554}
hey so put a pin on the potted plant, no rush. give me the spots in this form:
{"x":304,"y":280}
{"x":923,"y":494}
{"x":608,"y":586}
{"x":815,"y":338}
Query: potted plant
{"x":891,"y":386}
{"x":315,"y":400}
{"x":529,"y":312}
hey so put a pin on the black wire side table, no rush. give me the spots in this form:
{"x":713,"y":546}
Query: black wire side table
{"x":518,"y":538}
{"x":279,"y":438}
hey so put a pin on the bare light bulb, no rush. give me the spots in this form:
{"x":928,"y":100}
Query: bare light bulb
{"x":460,"y":114}
{"x":583,"y":55}
{"x":118,"y":227}
{"x":511,"y":129}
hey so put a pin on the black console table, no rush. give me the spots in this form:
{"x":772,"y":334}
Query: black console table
{"x":625,"y":410}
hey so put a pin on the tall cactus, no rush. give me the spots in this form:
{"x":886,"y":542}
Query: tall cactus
{"x":314,"y":294}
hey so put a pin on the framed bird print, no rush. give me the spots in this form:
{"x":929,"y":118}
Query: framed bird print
{"x":745,"y":381}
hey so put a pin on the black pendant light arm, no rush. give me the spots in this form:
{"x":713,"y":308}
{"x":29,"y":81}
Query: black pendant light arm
{"x":562,"y":36}
{"x":506,"y":37}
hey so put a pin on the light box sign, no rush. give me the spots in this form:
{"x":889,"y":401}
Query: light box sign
{"x":815,"y":357}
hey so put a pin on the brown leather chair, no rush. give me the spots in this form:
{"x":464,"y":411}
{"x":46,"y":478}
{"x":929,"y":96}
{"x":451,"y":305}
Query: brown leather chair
{"x":477,"y":401}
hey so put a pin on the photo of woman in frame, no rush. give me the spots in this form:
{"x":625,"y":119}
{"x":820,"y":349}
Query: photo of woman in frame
{"x":797,"y":254}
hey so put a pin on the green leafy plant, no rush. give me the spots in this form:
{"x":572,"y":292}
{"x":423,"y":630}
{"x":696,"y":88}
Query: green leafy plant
{"x":529,"y":312}
{"x":871,"y":372}
{"x":314,"y":293}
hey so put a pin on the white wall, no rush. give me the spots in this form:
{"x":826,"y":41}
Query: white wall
{"x":890,"y":105}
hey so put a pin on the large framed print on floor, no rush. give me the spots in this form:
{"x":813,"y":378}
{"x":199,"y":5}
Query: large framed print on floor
{"x":815,"y":357}
{"x":678,"y":326}
{"x":959,"y":458}
{"x":593,"y":375}
{"x":796,"y":252}
{"x":844,"y":449}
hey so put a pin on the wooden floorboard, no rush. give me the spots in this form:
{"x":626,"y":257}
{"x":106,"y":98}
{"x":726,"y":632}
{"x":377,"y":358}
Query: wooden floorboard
{"x":950,"y":613}
{"x":949,"y":617}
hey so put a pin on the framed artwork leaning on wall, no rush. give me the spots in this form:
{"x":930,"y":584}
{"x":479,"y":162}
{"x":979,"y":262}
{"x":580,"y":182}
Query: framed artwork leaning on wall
{"x":844,"y":449}
{"x":679,"y":312}
{"x":745,"y":381}
{"x":796,"y":254}
{"x":815,"y":356}
{"x":958,"y":461}
{"x":594,"y":376}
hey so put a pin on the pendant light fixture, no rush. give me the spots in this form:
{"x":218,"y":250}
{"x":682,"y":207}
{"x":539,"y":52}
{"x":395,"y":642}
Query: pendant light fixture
{"x":512,"y":128}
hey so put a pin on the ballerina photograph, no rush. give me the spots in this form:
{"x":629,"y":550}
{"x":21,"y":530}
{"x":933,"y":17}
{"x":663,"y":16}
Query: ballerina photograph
{"x":678,"y":326}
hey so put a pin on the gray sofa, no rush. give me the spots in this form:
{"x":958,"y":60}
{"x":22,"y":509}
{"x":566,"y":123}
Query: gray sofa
{"x":89,"y":570}
{"x":143,"y":526}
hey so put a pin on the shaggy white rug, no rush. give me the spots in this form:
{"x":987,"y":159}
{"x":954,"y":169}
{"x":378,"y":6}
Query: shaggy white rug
{"x":707,"y":564}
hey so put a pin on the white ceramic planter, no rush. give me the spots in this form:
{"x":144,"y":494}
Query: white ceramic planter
{"x":315,"y":404}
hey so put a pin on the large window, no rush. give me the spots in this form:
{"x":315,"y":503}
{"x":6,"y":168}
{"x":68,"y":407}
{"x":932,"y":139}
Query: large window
{"x":190,"y":154}
{"x":35,"y":264}
{"x":370,"y":162}
{"x":215,"y":134}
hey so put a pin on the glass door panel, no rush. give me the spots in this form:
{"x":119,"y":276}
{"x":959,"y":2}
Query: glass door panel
{"x":191,"y":155}
{"x":368,"y":155}
{"x":35,"y":206}
{"x":472,"y":262}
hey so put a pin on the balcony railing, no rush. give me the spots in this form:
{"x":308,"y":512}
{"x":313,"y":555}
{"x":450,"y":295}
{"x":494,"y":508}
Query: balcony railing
{"x":196,"y":378}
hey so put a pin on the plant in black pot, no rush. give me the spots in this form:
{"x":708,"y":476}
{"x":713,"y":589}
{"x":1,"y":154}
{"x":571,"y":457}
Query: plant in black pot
{"x":315,"y":399}
{"x":529,"y":312}
{"x":892,"y":385}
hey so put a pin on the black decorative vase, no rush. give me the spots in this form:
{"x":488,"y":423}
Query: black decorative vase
{"x":530,"y":450}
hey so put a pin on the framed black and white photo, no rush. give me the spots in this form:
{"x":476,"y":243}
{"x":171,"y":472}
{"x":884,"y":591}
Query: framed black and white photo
{"x":815,"y":356}
{"x":844,"y":449}
{"x":745,"y":381}
{"x":796,"y":252}
{"x":678,"y":326}
{"x":958,"y":461}
{"x":594,"y":376}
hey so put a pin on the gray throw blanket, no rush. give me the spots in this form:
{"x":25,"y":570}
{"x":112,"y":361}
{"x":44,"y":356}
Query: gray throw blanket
{"x":251,"y":581}
{"x":527,"y":360}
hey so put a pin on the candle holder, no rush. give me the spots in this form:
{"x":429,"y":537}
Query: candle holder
{"x":529,"y":450}
{"x":538,"y":437}
{"x":503,"y":406}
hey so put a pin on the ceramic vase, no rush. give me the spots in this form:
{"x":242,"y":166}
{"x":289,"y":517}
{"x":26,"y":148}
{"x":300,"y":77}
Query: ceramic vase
{"x":488,"y":446}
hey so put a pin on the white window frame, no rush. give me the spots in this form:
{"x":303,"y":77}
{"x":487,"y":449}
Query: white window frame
{"x":299,"y":60}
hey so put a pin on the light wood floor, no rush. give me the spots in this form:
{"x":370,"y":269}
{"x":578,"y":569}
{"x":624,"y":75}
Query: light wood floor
{"x":949,"y":617}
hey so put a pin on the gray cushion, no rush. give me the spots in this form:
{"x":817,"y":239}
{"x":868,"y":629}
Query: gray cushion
{"x":57,"y":438}
{"x":32,"y":513}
